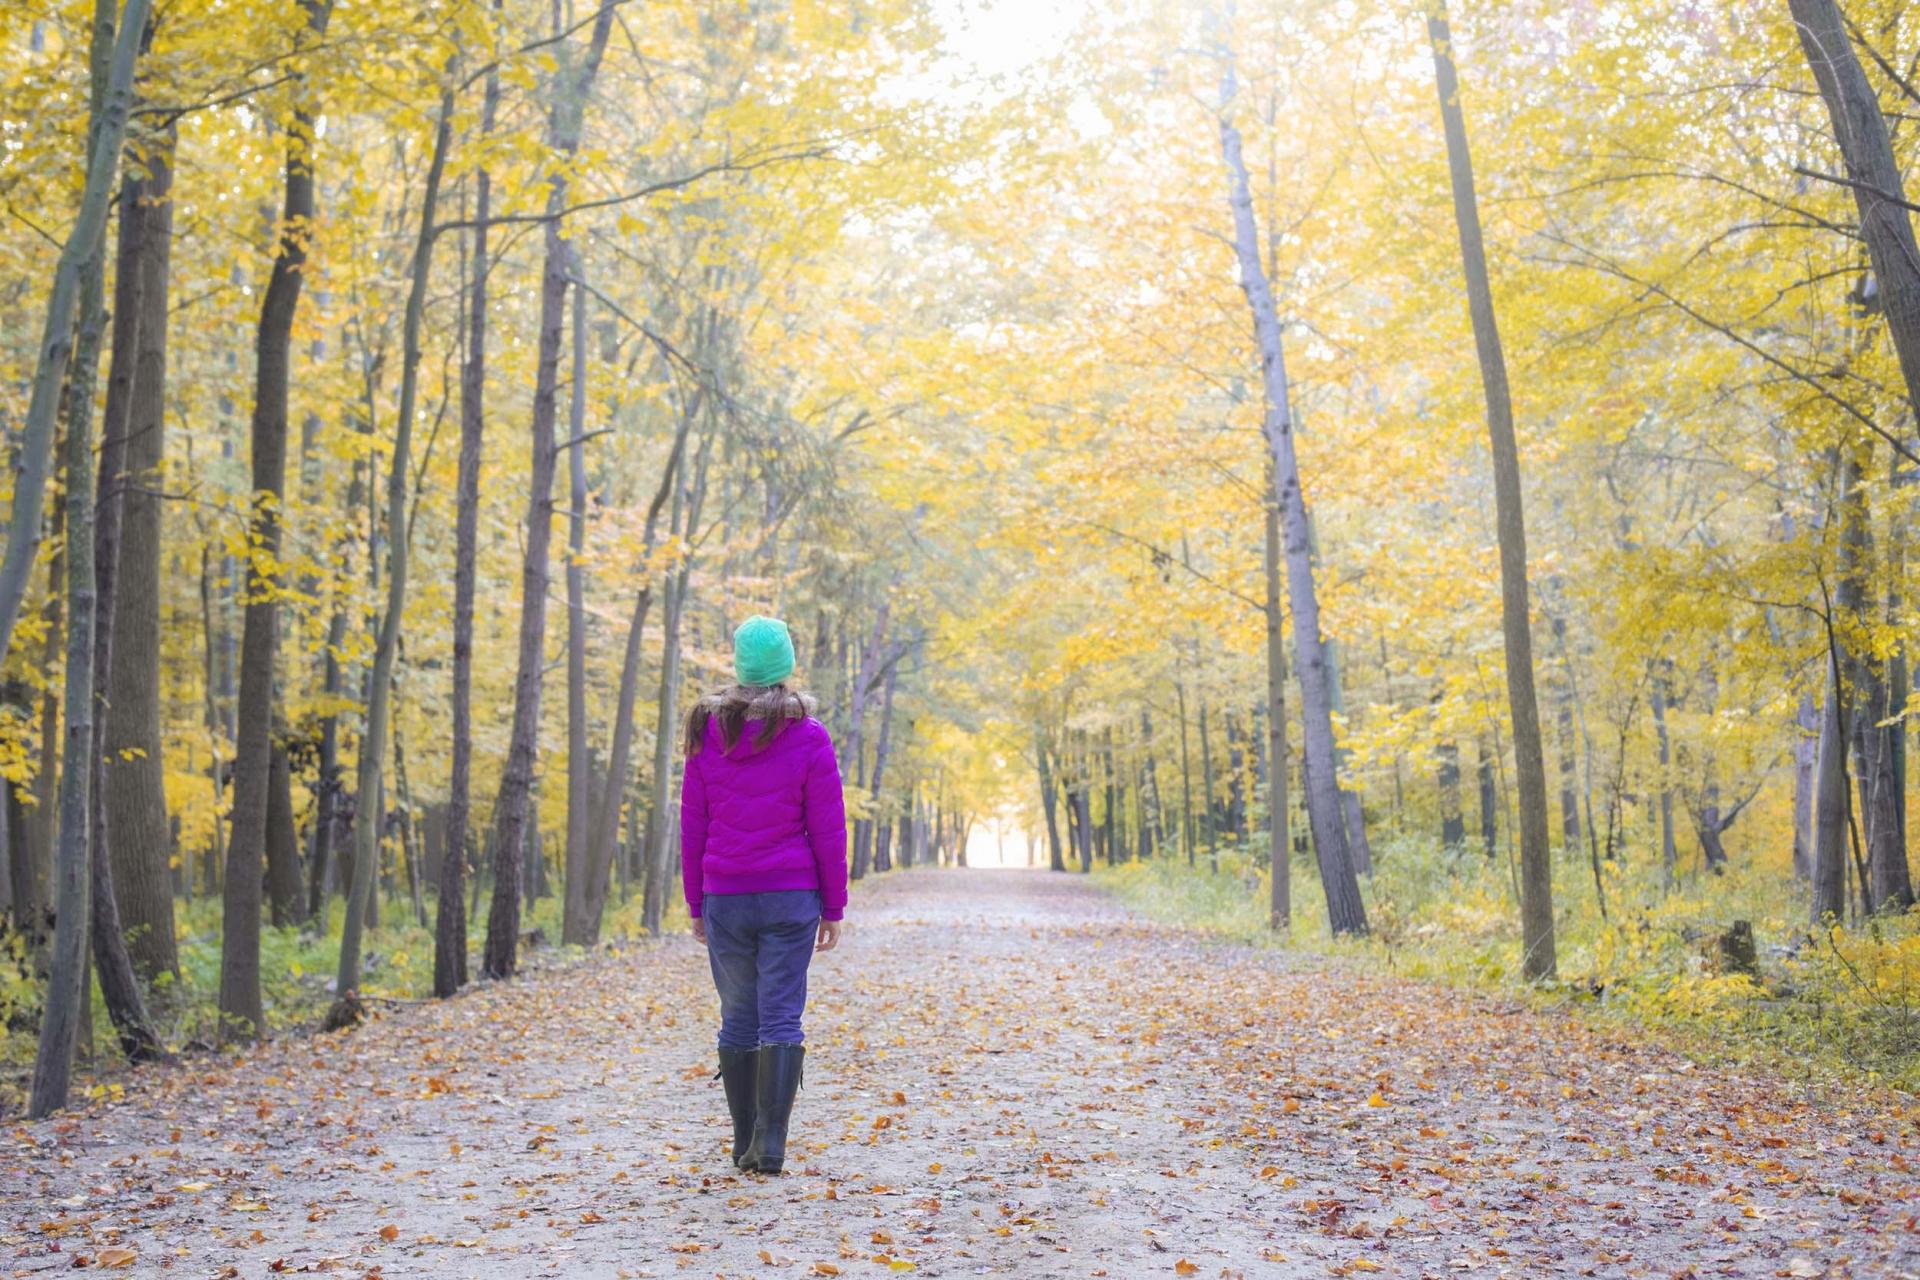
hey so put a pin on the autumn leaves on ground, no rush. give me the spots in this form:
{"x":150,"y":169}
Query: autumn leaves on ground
{"x":1009,"y":1076}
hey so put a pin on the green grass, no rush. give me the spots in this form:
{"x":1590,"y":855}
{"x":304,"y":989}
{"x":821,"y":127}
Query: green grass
{"x":1827,"y":1005}
{"x":297,"y":967}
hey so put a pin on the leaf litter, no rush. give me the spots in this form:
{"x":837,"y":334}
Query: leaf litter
{"x":1007,"y":1075}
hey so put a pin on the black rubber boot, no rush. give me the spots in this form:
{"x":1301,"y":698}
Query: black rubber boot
{"x":775,"y":1083}
{"x":737,"y":1070}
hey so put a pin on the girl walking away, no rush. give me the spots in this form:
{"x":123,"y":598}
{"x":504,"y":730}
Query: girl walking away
{"x":763,"y":854}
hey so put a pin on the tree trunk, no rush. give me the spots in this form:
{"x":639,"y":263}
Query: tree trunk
{"x":136,"y":801}
{"x":1569,"y":769}
{"x":119,"y":986}
{"x":1829,"y":898}
{"x":1351,"y":812}
{"x":44,"y":824}
{"x":1876,"y":776}
{"x":1453,"y":822}
{"x":1657,"y":702}
{"x":1111,"y":804}
{"x":501,"y":957}
{"x":1049,"y":800}
{"x":113,"y":60}
{"x":450,"y":924}
{"x":81,"y":270}
{"x":1346,"y":912}
{"x":1186,"y":772}
{"x":688,"y":499}
{"x":25,"y":902}
{"x":1084,"y":809}
{"x":1279,"y":854}
{"x":1489,"y":800}
{"x":1806,"y":753}
{"x":1155,"y":828}
{"x":1208,"y":813}
{"x":581,"y":865}
{"x":880,"y":751}
{"x":410,"y":830}
{"x":241,"y":1014}
{"x":283,"y":841}
{"x":371,"y":781}
{"x":1536,"y":864}
{"x":606,"y":815}
{"x":1866,"y":148}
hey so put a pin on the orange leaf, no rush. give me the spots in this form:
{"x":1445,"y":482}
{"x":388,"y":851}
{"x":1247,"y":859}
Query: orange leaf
{"x":1185,"y":1268}
{"x":389,"y":1232}
{"x":115,"y":1257}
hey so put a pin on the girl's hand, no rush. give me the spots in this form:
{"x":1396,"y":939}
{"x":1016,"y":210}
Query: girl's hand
{"x":700,"y":931}
{"x":829,"y":935}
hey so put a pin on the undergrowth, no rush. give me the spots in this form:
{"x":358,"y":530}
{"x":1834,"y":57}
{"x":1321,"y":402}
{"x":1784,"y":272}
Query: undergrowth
{"x":1825,"y":1003}
{"x":297,"y":966}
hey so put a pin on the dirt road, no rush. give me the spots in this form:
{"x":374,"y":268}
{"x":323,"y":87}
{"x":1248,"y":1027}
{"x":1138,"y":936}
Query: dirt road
{"x":1008,"y":1076}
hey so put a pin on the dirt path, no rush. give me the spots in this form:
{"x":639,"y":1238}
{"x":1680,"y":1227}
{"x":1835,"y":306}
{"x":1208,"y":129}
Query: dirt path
{"x":1009,"y":1076}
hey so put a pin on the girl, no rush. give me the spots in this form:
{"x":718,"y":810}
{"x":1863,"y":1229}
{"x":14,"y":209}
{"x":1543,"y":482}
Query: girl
{"x":763,"y":856}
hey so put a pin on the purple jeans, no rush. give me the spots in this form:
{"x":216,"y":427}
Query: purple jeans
{"x":759,"y":945}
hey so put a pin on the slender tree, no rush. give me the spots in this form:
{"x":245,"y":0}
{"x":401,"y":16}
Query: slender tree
{"x":242,"y":1016}
{"x":74,"y":896}
{"x":1346,"y":911}
{"x":1279,"y":855}
{"x":373,"y":739}
{"x":580,"y":788}
{"x":450,"y":923}
{"x":511,"y":809}
{"x":1529,"y":757}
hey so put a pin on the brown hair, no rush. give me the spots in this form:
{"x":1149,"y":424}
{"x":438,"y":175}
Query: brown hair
{"x":773,"y":705}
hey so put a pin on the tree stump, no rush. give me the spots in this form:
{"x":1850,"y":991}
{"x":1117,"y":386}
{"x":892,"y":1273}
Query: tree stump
{"x":1738,"y":953}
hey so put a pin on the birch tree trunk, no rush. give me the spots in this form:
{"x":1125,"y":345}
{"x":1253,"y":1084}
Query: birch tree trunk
{"x":1346,"y":912}
{"x":502,"y":952}
{"x":1536,"y":862}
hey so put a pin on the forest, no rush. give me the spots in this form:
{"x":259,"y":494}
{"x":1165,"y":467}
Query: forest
{"x":1423,"y":486}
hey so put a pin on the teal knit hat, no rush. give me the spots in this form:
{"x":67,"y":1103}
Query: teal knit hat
{"x":762,"y":651}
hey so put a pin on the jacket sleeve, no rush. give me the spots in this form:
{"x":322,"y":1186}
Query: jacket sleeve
{"x":693,"y":833}
{"x":827,"y":827}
